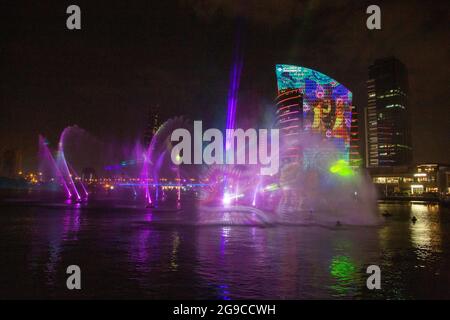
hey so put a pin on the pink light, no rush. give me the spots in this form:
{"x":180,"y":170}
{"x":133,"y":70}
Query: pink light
{"x":285,"y":107}
{"x":65,"y":169}
{"x":289,"y":120}
{"x":144,"y":173}
{"x":63,"y":162}
{"x":291,"y":127}
{"x":287,"y":113}
{"x":179,"y":185}
{"x":226,"y":199}
{"x":81,"y":182}
{"x":49,"y":156}
{"x":255,"y":193}
{"x":290,"y":98}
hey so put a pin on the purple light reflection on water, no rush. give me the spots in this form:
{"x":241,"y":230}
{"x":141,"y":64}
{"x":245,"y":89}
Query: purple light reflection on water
{"x":71,"y":223}
{"x":148,"y":216}
{"x":223,"y":288}
{"x":174,"y":261}
{"x":143,"y":252}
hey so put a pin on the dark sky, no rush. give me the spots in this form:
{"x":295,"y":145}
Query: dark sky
{"x":130,"y":55}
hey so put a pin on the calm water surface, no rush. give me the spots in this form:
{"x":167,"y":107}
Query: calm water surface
{"x":127,"y":252}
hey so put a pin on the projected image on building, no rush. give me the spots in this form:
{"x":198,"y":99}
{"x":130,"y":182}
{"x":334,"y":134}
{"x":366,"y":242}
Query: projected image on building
{"x":327,"y":104}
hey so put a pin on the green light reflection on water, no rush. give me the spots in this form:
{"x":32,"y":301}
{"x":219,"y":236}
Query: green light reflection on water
{"x":344,"y":271}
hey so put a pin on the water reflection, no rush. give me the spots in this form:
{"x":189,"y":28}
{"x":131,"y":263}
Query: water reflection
{"x":284,"y":262}
{"x":343,"y":269}
{"x":143,"y":254}
{"x":412,"y":251}
{"x":51,"y":233}
{"x":426,"y":231}
{"x":175,"y":244}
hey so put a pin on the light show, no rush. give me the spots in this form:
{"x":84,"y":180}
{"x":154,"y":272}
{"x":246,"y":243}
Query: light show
{"x":174,"y":152}
{"x":326,"y":104}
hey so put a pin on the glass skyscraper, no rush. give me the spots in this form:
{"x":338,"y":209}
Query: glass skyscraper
{"x":388,"y":137}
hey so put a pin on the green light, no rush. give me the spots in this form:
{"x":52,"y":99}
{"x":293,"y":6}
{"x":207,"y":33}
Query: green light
{"x":342,"y":268}
{"x":272,"y":187}
{"x":342,"y":168}
{"x":344,"y":271}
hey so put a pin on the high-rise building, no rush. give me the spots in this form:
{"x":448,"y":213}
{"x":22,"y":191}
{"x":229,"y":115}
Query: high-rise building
{"x":289,"y":116}
{"x":311,"y":102}
{"x":153,"y":124}
{"x":10,"y":164}
{"x":388,"y":141}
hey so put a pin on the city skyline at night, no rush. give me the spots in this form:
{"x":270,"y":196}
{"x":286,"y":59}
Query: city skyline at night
{"x":107,"y":88}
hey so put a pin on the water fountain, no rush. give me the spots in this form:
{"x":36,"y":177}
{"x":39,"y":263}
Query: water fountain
{"x":49,"y":168}
{"x":319,"y":189}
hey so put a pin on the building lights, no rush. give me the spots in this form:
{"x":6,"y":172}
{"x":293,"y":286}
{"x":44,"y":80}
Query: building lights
{"x":310,"y":101}
{"x":420,"y":174}
{"x":416,"y":188}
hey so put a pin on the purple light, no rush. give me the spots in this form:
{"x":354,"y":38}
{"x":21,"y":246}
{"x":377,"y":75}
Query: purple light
{"x":79,"y":179}
{"x":47,"y":155}
{"x":226,"y":199}
{"x":232,"y":95}
{"x":63,"y":163}
{"x":234,"y":86}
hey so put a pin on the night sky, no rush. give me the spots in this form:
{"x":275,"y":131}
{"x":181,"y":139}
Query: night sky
{"x":131,"y":55}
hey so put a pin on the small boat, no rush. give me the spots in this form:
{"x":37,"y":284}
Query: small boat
{"x":386,"y":214}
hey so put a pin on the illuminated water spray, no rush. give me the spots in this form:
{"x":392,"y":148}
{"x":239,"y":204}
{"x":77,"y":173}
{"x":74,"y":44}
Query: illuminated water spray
{"x":145,"y":175}
{"x":64,"y":167}
{"x":79,"y":179}
{"x":233,"y":90}
{"x":255,"y":192}
{"x":147,"y":166}
{"x":342,"y":168}
{"x":48,"y":160}
{"x":62,"y":164}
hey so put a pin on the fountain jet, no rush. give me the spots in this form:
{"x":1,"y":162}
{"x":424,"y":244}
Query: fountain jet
{"x":47,"y":159}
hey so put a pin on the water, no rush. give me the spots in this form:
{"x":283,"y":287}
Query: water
{"x":125,"y":251}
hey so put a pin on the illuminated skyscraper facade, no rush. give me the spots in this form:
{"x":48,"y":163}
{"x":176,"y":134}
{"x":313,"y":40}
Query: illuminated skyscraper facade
{"x":311,"y":102}
{"x":388,"y":141}
{"x":289,"y":116}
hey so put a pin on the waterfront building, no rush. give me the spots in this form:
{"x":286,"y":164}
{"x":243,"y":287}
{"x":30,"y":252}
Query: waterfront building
{"x":387,"y":117}
{"x":428,"y":180}
{"x":309,"y":101}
